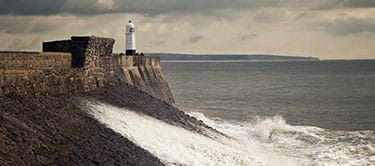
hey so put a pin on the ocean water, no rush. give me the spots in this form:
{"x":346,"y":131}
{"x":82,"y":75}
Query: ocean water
{"x":322,"y":113}
{"x":326,"y":94}
{"x":274,"y":113}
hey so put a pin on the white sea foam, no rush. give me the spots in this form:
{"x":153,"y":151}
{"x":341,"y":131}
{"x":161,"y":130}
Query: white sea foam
{"x":175,"y":145}
{"x":312,"y":145}
{"x":266,"y":141}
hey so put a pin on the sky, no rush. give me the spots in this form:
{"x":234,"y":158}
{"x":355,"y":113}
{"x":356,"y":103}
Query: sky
{"x":328,"y":29}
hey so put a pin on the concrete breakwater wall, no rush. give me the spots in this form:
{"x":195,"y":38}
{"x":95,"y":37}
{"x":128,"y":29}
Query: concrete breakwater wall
{"x":79,"y":65}
{"x":34,"y":60}
{"x":38,"y":73}
{"x":143,"y":72}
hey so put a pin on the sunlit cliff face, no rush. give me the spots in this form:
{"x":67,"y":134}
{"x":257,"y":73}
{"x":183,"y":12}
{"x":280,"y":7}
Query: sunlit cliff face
{"x":325,"y":28}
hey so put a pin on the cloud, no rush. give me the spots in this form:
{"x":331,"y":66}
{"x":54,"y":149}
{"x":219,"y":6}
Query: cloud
{"x":198,"y":26}
{"x":194,"y":39}
{"x":17,"y":44}
{"x":49,"y":7}
{"x":34,"y":7}
{"x":272,"y":15}
{"x":359,"y":3}
{"x":30,"y":24}
{"x":156,"y":7}
{"x":349,"y":25}
{"x":105,"y":4}
{"x":244,"y":37}
{"x":159,"y":42}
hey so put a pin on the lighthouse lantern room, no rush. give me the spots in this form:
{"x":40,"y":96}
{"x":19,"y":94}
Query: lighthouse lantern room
{"x":130,"y":39}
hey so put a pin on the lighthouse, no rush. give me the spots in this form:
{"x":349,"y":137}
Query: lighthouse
{"x":130,"y":39}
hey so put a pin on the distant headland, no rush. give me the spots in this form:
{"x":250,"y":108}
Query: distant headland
{"x":230,"y":57}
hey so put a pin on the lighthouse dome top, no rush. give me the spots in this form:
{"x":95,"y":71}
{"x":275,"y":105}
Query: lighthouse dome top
{"x":130,"y":24}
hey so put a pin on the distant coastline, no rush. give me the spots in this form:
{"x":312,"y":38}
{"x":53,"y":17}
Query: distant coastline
{"x":171,"y":57}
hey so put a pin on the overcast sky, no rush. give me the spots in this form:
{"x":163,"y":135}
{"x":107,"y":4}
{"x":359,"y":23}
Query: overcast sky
{"x":329,"y":29}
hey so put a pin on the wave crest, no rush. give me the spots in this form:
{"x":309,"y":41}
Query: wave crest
{"x":312,"y":145}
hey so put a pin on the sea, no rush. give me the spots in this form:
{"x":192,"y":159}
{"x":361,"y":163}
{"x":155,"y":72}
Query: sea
{"x":271,"y":113}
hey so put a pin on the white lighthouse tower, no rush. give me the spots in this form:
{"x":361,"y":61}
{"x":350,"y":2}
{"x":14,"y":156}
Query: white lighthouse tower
{"x":130,"y":39}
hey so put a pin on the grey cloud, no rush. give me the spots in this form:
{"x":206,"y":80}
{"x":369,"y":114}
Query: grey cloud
{"x":359,"y":3}
{"x":26,"y":24}
{"x":330,"y":4}
{"x":17,"y":44}
{"x":48,"y":7}
{"x":270,"y":16}
{"x":244,"y":37}
{"x":159,"y":42}
{"x":195,"y":39}
{"x":306,"y":15}
{"x":155,"y":7}
{"x":31,"y":7}
{"x":152,"y":7}
{"x":350,"y":25}
{"x":148,"y":7}
{"x":14,"y":25}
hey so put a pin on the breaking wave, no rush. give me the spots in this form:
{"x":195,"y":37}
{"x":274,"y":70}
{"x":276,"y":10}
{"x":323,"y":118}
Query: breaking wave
{"x":267,"y":141}
{"x":310,"y":145}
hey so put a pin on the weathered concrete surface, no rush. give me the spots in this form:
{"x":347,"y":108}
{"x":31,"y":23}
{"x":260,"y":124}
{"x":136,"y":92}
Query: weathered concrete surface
{"x":34,"y":60}
{"x":54,"y":130}
{"x":145,"y":73}
{"x":127,"y":96}
{"x":42,"y":82}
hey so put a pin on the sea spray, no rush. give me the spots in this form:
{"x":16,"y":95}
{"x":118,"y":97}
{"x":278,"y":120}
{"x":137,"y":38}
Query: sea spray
{"x":175,"y":145}
{"x":311,"y":145}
